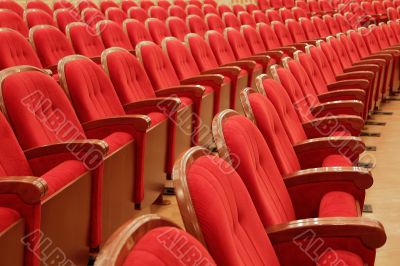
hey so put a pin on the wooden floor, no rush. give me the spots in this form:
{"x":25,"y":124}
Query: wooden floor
{"x":384,"y":196}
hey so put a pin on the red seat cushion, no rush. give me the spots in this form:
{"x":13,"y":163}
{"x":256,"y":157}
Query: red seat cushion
{"x":117,"y":140}
{"x":341,"y":133}
{"x":338,"y":204}
{"x":339,"y":257}
{"x":7,"y":217}
{"x":156,"y":117}
{"x":168,"y":246}
{"x":336,"y":160}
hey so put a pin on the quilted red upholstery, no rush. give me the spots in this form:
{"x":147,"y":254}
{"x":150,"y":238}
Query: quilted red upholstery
{"x":16,"y":50}
{"x":11,"y":20}
{"x":232,"y":230}
{"x":260,"y":17}
{"x":83,"y":41}
{"x":342,"y":22}
{"x":38,"y":17}
{"x":332,"y":24}
{"x":196,"y":24}
{"x":299,"y":13}
{"x":146,"y":4}
{"x":106,"y":4}
{"x":158,"y":247}
{"x":13,"y":6}
{"x":296,"y":31}
{"x":321,"y":27}
{"x":138,"y":14}
{"x":115,"y":14}
{"x":91,"y":16}
{"x":201,"y":52}
{"x":112,"y":35}
{"x":177,"y":27}
{"x":194,"y":10}
{"x":282,"y":33}
{"x":158,"y":13}
{"x":339,"y":256}
{"x":273,"y":15}
{"x":38,"y":4}
{"x":177,"y":11}
{"x":309,"y":29}
{"x":136,"y":31}
{"x":268,"y":36}
{"x":51,"y":44}
{"x":246,"y":19}
{"x":286,"y":14}
{"x":63,"y":17}
{"x":231,"y":20}
{"x":126,"y":4}
{"x":157,"y":29}
{"x":254,"y":41}
{"x":220,"y":47}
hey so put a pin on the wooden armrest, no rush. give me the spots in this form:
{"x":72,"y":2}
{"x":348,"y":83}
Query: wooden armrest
{"x":263,"y":59}
{"x":162,"y":104}
{"x":277,"y":55}
{"x":370,"y":232}
{"x":227,"y":70}
{"x":140,"y":122}
{"x":361,"y":177}
{"x":367,"y":75}
{"x":349,"y":83}
{"x":336,"y":108}
{"x":374,"y":61}
{"x":64,"y":147}
{"x":248,"y":64}
{"x":205,"y":80}
{"x":362,"y":67}
{"x":29,"y":188}
{"x":194,"y":92}
{"x":355,"y":94}
{"x":318,"y":127}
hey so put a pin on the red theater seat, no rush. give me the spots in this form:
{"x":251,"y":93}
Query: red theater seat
{"x":194,"y":10}
{"x":210,"y":9}
{"x":211,"y":2}
{"x":231,"y":20}
{"x":286,"y":14}
{"x":83,"y":4}
{"x":251,"y":8}
{"x":238,"y":8}
{"x":196,"y":25}
{"x":157,"y":29}
{"x":50,"y":44}
{"x":35,"y":17}
{"x":152,"y":237}
{"x":158,"y":13}
{"x":83,"y":41}
{"x":60,"y":4}
{"x":11,"y":20}
{"x":138,"y":14}
{"x":246,"y":19}
{"x":134,"y":90}
{"x":164,"y":4}
{"x":196,"y":3}
{"x":106,"y":4}
{"x":127,"y":4}
{"x":38,"y":4}
{"x":115,"y":14}
{"x":136,"y":31}
{"x":224,"y":9}
{"x":112,"y":35}
{"x":91,"y":16}
{"x":215,"y":203}
{"x":177,"y":27}
{"x":260,"y":17}
{"x":273,"y":15}
{"x":13,"y":6}
{"x":299,"y":13}
{"x":166,"y":82}
{"x":177,"y":11}
{"x":180,"y":3}
{"x":146,"y":4}
{"x":214,"y":22}
{"x":93,"y":96}
{"x":63,"y":17}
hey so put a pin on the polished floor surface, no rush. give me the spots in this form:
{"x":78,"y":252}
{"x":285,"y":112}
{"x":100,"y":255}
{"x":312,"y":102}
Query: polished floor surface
{"x":384,"y":196}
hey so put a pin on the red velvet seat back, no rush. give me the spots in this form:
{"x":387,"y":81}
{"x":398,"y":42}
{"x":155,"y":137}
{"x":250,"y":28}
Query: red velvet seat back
{"x":321,"y":27}
{"x":313,"y":6}
{"x":196,"y":24}
{"x":340,"y":52}
{"x":268,"y":36}
{"x":395,"y":28}
{"x":220,"y":47}
{"x":210,"y":9}
{"x":292,"y":87}
{"x":263,"y":5}
{"x":44,"y":102}
{"x":289,"y":3}
{"x":258,"y":170}
{"x":63,"y":17}
{"x":246,"y":19}
{"x":155,"y":248}
{"x":273,"y":15}
{"x":177,"y":11}
{"x":367,"y":7}
{"x":378,"y":7}
{"x":285,"y":14}
{"x":282,"y":33}
{"x":90,"y":90}
{"x":11,"y":20}
{"x":16,"y":50}
{"x":180,"y":3}
{"x":309,"y":29}
{"x":370,"y":41}
{"x":51,"y":44}
{"x":115,"y":14}
{"x":128,"y":76}
{"x":323,"y":64}
{"x":146,"y":4}
{"x":112,"y":35}
{"x":238,"y":43}
{"x":83,"y":41}
{"x":92,"y":15}
{"x":380,"y":37}
{"x":238,"y":8}
{"x":182,"y":60}
{"x":60,"y":4}
{"x":138,"y":14}
{"x":296,"y":31}
{"x":387,"y":4}
{"x":164,"y":4}
{"x":280,"y":99}
{"x":136,"y":31}
{"x":157,"y":29}
{"x":231,"y":20}
{"x":211,"y":2}
{"x":260,"y":17}
{"x":177,"y":27}
{"x":276,"y":4}
{"x":332,"y":58}
{"x":359,"y":43}
{"x":392,"y":13}
{"x":254,"y":41}
{"x":226,"y":214}
{"x":350,"y":48}
{"x":158,"y":13}
{"x":201,"y":52}
{"x":196,"y":3}
{"x":390,"y":34}
{"x":35,"y":17}
{"x":157,"y":65}
{"x":270,"y":125}
{"x":214,"y":22}
{"x":106,"y":4}
{"x":224,"y":9}
{"x":299,"y":13}
{"x":13,"y":6}
{"x":38,"y":4}
{"x":126,"y":4}
{"x":342,"y":22}
{"x":332,"y":24}
{"x":251,"y":8}
{"x":86,"y":4}
{"x":194,"y":10}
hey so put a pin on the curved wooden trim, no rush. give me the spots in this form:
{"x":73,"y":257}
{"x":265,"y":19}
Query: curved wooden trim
{"x":140,"y":122}
{"x":138,"y":49}
{"x":244,"y":99}
{"x":29,"y":188}
{"x":70,"y":25}
{"x":259,"y":83}
{"x":231,"y":70}
{"x":212,"y":79}
{"x":191,"y":91}
{"x":122,"y":241}
{"x":35,"y":28}
{"x":218,"y":134}
{"x":161,"y":104}
{"x":107,"y":52}
{"x":354,"y":83}
{"x":183,"y":197}
{"x":371,"y":232}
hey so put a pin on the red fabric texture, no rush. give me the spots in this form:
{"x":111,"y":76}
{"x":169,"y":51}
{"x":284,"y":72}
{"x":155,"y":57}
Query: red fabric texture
{"x":338,"y":204}
{"x":38,"y":17}
{"x":136,"y":32}
{"x":227,"y":217}
{"x":336,"y":160}
{"x":115,"y":14}
{"x":158,"y":13}
{"x":112,"y":35}
{"x":84,"y":41}
{"x":214,"y":22}
{"x":231,"y":20}
{"x":64,"y":17}
{"x":168,"y":246}
{"x":341,"y":257}
{"x":138,"y":14}
{"x":196,"y":24}
{"x":177,"y":27}
{"x":8,"y":217}
{"x":157,"y":29}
